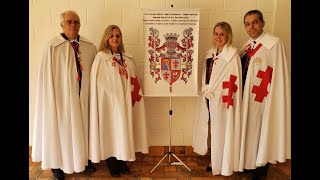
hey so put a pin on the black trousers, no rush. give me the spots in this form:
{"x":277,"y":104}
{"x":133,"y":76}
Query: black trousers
{"x":113,"y":164}
{"x":259,"y":172}
{"x":58,"y":173}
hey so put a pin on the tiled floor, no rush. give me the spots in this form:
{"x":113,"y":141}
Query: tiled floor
{"x":141,"y":168}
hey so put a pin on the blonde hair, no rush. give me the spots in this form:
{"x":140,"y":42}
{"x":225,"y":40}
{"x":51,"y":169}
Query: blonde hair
{"x":104,"y":44}
{"x":226,"y":28}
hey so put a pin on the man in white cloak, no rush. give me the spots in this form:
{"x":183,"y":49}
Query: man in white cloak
{"x":60,"y":135}
{"x":266,"y":120}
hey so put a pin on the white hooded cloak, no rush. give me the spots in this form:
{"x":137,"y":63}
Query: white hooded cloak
{"x":118,"y":125}
{"x":60,"y":134}
{"x":266,"y":126}
{"x":224,"y":94}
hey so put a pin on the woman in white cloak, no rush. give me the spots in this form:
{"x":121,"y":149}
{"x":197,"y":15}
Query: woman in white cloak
{"x":220,"y":104}
{"x":118,"y":126}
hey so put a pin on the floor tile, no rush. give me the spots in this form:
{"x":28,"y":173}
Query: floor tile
{"x":144,"y":164}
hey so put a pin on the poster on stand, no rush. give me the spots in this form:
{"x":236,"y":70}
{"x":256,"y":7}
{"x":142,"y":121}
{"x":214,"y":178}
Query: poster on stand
{"x":171,"y":39}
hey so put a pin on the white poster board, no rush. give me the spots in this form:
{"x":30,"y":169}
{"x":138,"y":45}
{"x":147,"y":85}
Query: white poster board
{"x":171,"y":52}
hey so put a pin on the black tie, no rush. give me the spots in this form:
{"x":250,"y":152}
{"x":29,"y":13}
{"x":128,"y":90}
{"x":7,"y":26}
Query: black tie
{"x":75,"y":47}
{"x":245,"y":60}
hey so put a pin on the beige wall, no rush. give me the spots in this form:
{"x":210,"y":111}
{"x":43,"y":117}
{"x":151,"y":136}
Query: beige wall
{"x":96,"y":15}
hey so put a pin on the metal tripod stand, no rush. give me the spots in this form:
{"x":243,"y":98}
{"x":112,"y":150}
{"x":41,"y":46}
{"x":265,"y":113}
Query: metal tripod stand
{"x":170,"y":152}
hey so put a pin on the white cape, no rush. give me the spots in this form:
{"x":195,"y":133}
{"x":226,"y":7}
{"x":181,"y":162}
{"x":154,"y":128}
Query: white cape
{"x":266,"y":128}
{"x":225,"y":120}
{"x":60,"y":135}
{"x":116,"y":128}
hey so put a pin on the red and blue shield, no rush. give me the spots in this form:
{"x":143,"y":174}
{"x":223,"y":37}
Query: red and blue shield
{"x":170,"y":69}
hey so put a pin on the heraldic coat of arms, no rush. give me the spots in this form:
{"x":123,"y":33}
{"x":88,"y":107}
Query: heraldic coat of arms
{"x":170,"y":61}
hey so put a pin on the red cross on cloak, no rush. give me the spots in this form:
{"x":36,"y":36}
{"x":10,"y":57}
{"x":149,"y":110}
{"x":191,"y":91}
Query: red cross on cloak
{"x":261,"y":91}
{"x":232,"y":88}
{"x":135,"y":96}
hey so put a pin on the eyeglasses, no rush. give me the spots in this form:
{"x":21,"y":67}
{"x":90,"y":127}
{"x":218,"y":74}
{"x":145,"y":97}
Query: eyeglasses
{"x":70,"y":22}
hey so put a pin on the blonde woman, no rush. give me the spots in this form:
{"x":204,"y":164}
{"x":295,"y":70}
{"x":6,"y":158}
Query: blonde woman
{"x":117,"y":114}
{"x":218,"y":123}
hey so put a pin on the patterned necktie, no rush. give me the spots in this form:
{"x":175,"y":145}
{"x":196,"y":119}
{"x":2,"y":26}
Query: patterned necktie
{"x":250,"y":49}
{"x":75,"y":46}
{"x":245,"y":60}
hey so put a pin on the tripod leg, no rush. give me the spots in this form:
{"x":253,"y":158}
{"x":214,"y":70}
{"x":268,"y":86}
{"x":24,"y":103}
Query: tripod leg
{"x":159,"y":163}
{"x":180,"y":161}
